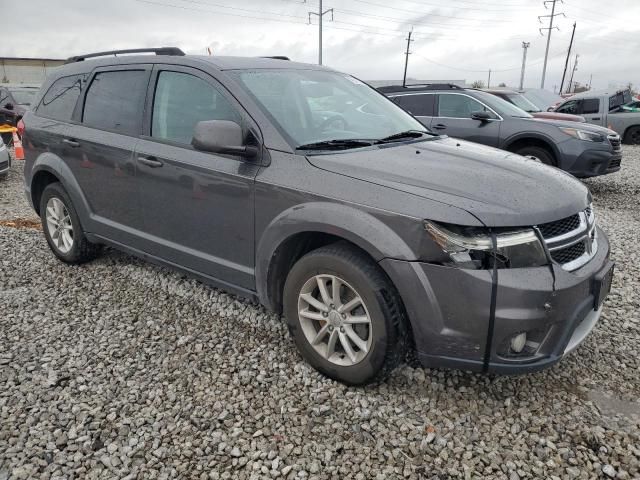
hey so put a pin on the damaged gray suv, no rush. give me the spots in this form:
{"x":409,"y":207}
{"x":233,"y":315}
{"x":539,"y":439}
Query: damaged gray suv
{"x":306,"y":190}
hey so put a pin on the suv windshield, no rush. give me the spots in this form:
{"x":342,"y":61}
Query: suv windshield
{"x":521,"y":101}
{"x":24,"y":97}
{"x":500,"y":105}
{"x":311,"y":106}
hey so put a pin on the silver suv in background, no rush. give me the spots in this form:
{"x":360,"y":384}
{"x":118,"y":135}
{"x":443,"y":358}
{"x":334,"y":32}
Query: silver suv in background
{"x":578,"y":148}
{"x":605,"y":108}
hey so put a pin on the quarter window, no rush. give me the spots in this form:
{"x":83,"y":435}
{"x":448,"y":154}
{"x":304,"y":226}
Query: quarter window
{"x":182,"y":100}
{"x":115,"y":101}
{"x":590,"y":105}
{"x":459,"y":106}
{"x":420,"y":105}
{"x":60,"y":100}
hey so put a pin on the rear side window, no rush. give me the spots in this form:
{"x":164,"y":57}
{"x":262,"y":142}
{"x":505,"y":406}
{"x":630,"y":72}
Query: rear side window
{"x":60,"y":100}
{"x":419,"y":105}
{"x":590,"y":105}
{"x":115,"y":101}
{"x":182,"y":100}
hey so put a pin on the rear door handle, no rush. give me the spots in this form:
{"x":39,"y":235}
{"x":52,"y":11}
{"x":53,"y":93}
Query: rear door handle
{"x":439,"y":126}
{"x":152,"y":162}
{"x":71,"y":143}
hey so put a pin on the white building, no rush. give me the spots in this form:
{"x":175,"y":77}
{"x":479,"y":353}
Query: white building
{"x":30,"y":71}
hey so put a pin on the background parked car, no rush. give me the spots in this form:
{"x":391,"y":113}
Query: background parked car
{"x":579,"y":148}
{"x":5,"y":160}
{"x":541,"y":98}
{"x":14,"y":101}
{"x":605,"y":108}
{"x":519,"y":100}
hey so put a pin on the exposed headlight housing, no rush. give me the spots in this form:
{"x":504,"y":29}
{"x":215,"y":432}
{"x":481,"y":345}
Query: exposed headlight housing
{"x":473,"y":248}
{"x":583,"y":135}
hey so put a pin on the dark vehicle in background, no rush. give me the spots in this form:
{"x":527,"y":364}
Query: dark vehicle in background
{"x":14,"y":101}
{"x":541,"y":98}
{"x":520,"y":101}
{"x":606,"y":108}
{"x":305,"y":189}
{"x":578,"y":148}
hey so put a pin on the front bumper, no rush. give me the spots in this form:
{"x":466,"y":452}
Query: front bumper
{"x":592,"y":163}
{"x":5,"y":161}
{"x":450,"y":308}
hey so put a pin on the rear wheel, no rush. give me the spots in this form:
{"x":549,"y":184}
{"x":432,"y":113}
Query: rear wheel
{"x":632,"y":136}
{"x":537,"y":153}
{"x":344,"y":315}
{"x":62,"y":227}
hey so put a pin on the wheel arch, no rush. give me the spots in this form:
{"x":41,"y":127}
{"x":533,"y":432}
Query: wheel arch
{"x":527,"y":139}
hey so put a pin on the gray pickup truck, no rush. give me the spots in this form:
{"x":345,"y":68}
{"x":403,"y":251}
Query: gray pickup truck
{"x":605,"y":108}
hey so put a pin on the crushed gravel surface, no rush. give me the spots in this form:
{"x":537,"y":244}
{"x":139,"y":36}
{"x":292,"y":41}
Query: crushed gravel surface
{"x":119,"y":369}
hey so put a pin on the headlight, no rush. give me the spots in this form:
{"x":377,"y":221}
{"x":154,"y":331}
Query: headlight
{"x":583,"y":135}
{"x":472,"y":247}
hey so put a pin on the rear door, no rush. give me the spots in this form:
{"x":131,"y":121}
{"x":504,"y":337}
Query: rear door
{"x":198,"y":206}
{"x":420,"y":105}
{"x":101,"y":141}
{"x":453,"y":118}
{"x":592,"y":110}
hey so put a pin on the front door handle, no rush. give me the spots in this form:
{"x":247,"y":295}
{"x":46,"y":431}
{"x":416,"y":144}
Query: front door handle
{"x":439,"y":126}
{"x":152,"y":162}
{"x":71,"y":142}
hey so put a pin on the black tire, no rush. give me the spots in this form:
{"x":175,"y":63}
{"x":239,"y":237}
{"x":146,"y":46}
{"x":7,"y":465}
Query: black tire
{"x":388,"y":326}
{"x":81,"y":250}
{"x":632,"y":137}
{"x":540,"y":153}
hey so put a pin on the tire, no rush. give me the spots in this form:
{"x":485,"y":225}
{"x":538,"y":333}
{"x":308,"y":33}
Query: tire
{"x":384,"y":338}
{"x":3,"y":176}
{"x":632,"y":137}
{"x":539,"y":153}
{"x":79,"y":250}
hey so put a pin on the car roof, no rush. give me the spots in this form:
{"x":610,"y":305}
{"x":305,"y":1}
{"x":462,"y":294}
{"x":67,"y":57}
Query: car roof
{"x":417,"y":88}
{"x":597,"y":93}
{"x":498,"y":90}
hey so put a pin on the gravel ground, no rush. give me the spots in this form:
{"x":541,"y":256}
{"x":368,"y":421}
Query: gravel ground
{"x":119,"y":369}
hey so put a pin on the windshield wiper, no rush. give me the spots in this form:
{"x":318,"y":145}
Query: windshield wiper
{"x":336,"y":144}
{"x":403,"y":135}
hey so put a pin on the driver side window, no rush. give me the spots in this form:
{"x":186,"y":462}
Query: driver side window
{"x":570,"y":107}
{"x":459,"y":106}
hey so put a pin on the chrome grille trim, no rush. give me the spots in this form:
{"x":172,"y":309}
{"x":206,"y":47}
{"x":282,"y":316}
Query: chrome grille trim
{"x":585,"y":233}
{"x":615,"y":141}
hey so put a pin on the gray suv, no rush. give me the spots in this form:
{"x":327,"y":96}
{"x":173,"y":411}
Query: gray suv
{"x":578,"y":148}
{"x":306,"y":190}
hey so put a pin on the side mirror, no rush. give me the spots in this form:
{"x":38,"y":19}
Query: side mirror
{"x":221,"y":136}
{"x":483,"y":116}
{"x":8,"y":106}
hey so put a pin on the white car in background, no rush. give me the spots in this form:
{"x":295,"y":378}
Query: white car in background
{"x":5,"y":160}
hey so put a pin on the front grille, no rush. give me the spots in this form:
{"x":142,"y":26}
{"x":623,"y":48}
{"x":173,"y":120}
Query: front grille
{"x":615,"y":163}
{"x":615,"y":142}
{"x":569,"y":254}
{"x":560,"y":227}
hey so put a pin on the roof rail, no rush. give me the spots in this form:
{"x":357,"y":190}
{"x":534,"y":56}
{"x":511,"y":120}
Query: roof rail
{"x":278,"y":57}
{"x":174,"y":51}
{"x":421,"y":86}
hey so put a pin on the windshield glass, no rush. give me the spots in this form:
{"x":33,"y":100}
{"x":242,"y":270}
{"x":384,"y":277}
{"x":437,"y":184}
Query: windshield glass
{"x":521,"y":102}
{"x":24,"y":97}
{"x":501,"y":106}
{"x":314,"y":106}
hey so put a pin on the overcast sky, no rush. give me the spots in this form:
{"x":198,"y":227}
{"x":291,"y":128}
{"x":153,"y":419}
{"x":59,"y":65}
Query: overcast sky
{"x":454,"y":39}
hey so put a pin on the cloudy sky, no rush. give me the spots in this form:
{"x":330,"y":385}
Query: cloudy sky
{"x":454,"y":39}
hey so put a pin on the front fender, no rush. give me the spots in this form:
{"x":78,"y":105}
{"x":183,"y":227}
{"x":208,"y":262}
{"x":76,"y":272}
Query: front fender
{"x":357,"y":226}
{"x":549,"y":141}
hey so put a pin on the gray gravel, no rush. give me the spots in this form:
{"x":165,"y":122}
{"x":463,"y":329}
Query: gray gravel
{"x":119,"y":369}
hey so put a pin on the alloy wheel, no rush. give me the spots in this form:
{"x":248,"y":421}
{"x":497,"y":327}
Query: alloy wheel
{"x":335,"y":320}
{"x":59,"y":225}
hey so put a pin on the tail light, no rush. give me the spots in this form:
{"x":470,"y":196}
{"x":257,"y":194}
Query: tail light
{"x":20,"y":128}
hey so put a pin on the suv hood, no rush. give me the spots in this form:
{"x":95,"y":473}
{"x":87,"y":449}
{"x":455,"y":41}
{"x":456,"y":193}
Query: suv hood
{"x":499,"y":188}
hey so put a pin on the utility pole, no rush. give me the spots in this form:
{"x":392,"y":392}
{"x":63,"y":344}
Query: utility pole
{"x":566,"y":63}
{"x":489,"y":79}
{"x":320,"y":14}
{"x":525,"y":46}
{"x":590,"y":80}
{"x":406,"y":59}
{"x":573,"y":70}
{"x":549,"y":30}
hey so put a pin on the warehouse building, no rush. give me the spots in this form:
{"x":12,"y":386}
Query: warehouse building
{"x":30,"y":71}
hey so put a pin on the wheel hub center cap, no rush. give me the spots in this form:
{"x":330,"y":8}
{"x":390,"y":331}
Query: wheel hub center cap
{"x":335,"y":319}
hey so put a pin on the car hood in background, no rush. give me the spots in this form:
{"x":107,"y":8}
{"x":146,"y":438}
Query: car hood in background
{"x":559,"y":116}
{"x":499,"y":188}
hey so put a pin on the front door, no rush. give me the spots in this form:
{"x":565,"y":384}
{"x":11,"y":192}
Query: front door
{"x":198,"y":206}
{"x":453,"y":118}
{"x":591,"y":110}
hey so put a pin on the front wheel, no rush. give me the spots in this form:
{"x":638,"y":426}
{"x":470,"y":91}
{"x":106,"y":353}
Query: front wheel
{"x":632,"y":136}
{"x":537,"y":153}
{"x":344,"y":315}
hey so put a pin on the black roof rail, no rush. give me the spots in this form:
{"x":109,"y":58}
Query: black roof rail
{"x":174,"y":51}
{"x":278,"y":57}
{"x":420,"y":86}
